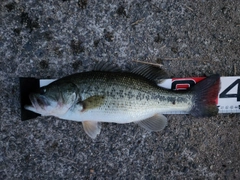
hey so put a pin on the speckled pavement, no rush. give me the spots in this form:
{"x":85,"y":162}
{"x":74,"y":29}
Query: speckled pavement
{"x":51,"y":39}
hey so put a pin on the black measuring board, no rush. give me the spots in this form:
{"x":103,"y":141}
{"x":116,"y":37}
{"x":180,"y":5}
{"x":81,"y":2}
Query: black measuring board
{"x":27,"y":86}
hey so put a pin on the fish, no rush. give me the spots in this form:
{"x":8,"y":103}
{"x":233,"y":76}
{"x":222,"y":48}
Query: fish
{"x":114,"y":96}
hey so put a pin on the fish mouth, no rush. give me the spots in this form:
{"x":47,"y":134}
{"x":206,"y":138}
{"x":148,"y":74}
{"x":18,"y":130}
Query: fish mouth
{"x":38,"y":102}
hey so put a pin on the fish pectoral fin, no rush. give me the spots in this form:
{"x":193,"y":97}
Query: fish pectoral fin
{"x":92,"y":102}
{"x":155,"y":123}
{"x":91,"y":128}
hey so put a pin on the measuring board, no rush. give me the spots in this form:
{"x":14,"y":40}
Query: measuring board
{"x":228,"y":97}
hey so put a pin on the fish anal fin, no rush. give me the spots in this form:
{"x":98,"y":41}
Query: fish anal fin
{"x":155,"y":123}
{"x":92,"y":102}
{"x":91,"y":128}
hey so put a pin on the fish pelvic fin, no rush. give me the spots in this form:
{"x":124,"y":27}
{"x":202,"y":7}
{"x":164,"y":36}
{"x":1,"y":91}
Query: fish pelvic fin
{"x":205,"y":95}
{"x":91,"y":128}
{"x":155,"y":123}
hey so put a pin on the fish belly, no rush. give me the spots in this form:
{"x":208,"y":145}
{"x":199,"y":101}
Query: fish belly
{"x":126,"y":113}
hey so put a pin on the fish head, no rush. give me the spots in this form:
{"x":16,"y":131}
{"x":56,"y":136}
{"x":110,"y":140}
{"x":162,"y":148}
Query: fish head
{"x":53,"y":100}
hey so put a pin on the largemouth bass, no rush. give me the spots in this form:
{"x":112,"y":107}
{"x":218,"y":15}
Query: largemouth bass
{"x":122,"y":97}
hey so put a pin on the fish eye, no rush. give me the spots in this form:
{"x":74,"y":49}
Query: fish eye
{"x":43,"y":90}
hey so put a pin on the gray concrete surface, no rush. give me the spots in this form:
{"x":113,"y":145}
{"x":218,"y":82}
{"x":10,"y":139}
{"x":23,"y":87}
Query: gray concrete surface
{"x":51,"y":39}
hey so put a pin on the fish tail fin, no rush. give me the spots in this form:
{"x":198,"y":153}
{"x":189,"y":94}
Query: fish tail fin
{"x":205,"y":96}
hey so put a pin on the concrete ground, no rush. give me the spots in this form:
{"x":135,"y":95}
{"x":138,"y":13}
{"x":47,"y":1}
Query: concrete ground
{"x":51,"y":39}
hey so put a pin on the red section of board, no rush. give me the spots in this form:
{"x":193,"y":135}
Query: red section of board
{"x":186,"y":83}
{"x":194,"y":79}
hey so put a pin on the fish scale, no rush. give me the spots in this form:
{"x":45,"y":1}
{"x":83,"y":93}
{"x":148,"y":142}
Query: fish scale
{"x":147,"y":95}
{"x":122,"y":97}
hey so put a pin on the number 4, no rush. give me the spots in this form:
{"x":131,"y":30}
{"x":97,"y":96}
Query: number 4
{"x":225,"y":95}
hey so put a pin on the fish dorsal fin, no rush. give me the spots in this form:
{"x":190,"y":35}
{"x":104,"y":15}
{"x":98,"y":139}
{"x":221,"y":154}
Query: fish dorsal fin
{"x":155,"y":123}
{"x":91,"y":128}
{"x":150,"y":72}
{"x":106,"y":66}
